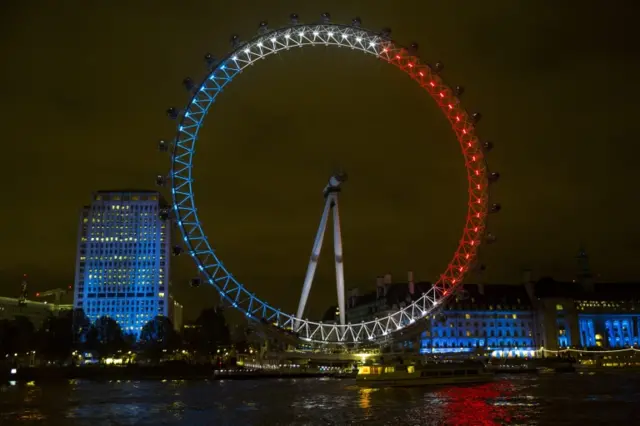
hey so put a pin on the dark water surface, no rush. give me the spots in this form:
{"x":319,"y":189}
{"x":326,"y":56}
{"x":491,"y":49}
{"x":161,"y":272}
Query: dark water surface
{"x":574,"y":399}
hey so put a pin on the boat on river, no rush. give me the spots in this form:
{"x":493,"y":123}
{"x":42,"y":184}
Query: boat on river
{"x":430,"y":374}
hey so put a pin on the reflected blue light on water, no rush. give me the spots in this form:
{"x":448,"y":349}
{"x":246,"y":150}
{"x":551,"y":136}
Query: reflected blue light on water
{"x":545,"y":400}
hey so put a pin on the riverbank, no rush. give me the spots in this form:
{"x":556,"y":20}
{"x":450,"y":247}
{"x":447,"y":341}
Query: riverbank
{"x":139,"y":372}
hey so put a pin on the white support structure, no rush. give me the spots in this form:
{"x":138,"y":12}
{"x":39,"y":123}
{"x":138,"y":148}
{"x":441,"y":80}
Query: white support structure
{"x":330,"y":205}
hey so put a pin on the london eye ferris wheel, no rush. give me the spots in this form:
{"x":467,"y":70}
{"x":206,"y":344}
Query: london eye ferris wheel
{"x":268,"y":42}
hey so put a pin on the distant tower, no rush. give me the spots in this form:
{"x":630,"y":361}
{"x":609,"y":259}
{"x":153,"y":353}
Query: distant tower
{"x":22,"y":300}
{"x":584,"y":276}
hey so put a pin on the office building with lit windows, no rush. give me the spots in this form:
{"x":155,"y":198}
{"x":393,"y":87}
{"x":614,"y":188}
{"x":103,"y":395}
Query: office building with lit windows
{"x":584,"y":313}
{"x":122,"y":268}
{"x":478,"y":318}
{"x":588,"y":315}
{"x":497,"y":319}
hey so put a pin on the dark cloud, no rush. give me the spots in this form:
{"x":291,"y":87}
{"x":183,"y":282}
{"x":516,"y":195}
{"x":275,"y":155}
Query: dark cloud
{"x":83,"y":95}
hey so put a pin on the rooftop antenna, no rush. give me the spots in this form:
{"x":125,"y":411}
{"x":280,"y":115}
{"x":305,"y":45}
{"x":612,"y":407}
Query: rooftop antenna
{"x":585,"y":277}
{"x":22,"y":300}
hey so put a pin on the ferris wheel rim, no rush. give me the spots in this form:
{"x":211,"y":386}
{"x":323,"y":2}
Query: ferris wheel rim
{"x":197,"y":243}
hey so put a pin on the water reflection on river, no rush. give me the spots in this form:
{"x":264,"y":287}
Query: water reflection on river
{"x":546,"y":400}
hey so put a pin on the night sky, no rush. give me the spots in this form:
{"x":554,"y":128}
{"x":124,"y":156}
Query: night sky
{"x":84,"y":86}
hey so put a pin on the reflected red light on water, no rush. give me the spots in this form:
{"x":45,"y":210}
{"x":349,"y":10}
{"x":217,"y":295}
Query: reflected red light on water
{"x":474,"y":405}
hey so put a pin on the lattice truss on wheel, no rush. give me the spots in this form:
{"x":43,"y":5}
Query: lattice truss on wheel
{"x":379,"y":44}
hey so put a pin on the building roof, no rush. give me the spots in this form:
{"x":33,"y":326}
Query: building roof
{"x":399,"y":292}
{"x":395,"y":293}
{"x":617,"y":291}
{"x":121,"y":191}
{"x":479,"y":296}
{"x":549,"y":288}
{"x":104,"y":194}
{"x":471,"y":296}
{"x":508,"y":296}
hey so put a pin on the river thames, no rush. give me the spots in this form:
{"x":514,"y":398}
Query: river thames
{"x":571,"y":399}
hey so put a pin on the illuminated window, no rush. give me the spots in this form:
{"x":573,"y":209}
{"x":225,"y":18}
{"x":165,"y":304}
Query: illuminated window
{"x":364,"y":370}
{"x":515,"y":316}
{"x":598,"y":339}
{"x":468,"y":334}
{"x":467,"y":316}
{"x":559,"y":307}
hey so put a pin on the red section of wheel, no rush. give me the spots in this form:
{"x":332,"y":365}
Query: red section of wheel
{"x":472,"y":150}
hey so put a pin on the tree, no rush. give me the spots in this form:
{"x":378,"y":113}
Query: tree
{"x":157,"y":335}
{"x":241,"y":346}
{"x":242,"y":338}
{"x":212,"y":331}
{"x":55,"y":338}
{"x":21,"y":335}
{"x":105,"y":336}
{"x":6,"y":337}
{"x":17,"y":336}
{"x":129,"y":339}
{"x":81,"y":327}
